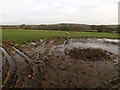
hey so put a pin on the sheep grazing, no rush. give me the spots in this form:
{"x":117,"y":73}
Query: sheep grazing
{"x":67,"y":33}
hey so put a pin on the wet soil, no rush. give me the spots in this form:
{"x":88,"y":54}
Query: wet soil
{"x":63,"y":63}
{"x":5,"y":68}
{"x":10,"y":73}
{"x":91,"y":54}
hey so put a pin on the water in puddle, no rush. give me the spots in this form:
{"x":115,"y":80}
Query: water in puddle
{"x":11,"y":79}
{"x":27,"y":58}
{"x":88,"y":43}
{"x":21,"y":53}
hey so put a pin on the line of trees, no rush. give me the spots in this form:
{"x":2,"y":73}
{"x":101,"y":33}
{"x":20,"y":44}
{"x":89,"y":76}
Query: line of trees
{"x":65,"y":27}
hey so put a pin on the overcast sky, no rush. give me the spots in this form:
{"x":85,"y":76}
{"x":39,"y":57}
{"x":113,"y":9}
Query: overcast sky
{"x":58,"y":11}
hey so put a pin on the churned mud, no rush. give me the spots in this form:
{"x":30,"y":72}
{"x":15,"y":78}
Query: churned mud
{"x":62,"y":63}
{"x":8,"y":66}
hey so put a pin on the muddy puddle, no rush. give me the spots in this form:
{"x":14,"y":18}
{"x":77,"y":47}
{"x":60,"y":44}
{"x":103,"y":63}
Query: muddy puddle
{"x":63,"y":63}
{"x":10,"y":78}
{"x":88,"y":43}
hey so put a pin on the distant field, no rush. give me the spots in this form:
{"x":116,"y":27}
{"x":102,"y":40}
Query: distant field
{"x":24,"y":36}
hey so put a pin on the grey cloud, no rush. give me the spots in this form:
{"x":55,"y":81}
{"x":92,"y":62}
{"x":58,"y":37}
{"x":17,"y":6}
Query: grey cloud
{"x":56,"y":11}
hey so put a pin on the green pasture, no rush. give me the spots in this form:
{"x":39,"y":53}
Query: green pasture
{"x":25,"y":36}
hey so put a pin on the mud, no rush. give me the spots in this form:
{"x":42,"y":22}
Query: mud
{"x":65,"y":63}
{"x":5,"y":68}
{"x":90,"y":54}
{"x":31,"y":76}
{"x":11,"y":78}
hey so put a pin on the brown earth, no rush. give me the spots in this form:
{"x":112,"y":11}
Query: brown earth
{"x":76,"y":68}
{"x":90,"y":54}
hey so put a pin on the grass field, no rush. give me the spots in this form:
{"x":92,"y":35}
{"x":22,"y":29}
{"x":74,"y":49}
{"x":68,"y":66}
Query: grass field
{"x":24,"y":36}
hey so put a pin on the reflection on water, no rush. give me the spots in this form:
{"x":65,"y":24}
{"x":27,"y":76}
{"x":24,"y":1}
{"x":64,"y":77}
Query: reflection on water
{"x":88,"y":43}
{"x":11,"y":79}
{"x":21,"y":53}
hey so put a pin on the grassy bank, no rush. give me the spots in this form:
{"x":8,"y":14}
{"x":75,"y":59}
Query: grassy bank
{"x":23,"y":36}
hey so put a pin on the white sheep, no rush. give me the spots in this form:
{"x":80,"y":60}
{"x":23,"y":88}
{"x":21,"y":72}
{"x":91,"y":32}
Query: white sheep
{"x":67,"y":33}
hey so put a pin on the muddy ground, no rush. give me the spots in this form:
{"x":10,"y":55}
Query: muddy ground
{"x":61,"y":63}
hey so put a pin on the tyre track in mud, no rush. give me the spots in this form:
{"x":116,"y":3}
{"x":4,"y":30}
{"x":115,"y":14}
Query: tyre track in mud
{"x":36,"y":75}
{"x":10,"y":80}
{"x":22,"y":66}
{"x":4,"y":70}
